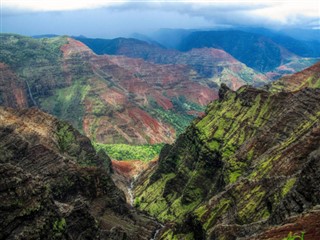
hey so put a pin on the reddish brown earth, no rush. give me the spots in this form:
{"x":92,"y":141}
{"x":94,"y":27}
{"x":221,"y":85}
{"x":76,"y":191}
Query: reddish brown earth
{"x":125,"y":174}
{"x":309,"y":223}
{"x":125,"y":87}
{"x":9,"y":81}
{"x":210,"y":65}
{"x":306,"y":78}
{"x":113,"y":99}
{"x":131,"y":168}
{"x":118,"y":99}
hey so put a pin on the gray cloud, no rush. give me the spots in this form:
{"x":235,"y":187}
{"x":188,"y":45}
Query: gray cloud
{"x":128,"y":17}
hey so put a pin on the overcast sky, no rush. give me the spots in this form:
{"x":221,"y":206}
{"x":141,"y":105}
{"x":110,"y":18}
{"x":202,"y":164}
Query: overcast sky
{"x":103,"y":18}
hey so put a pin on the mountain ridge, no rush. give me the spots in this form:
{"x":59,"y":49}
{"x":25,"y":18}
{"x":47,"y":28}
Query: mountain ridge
{"x":244,"y":168}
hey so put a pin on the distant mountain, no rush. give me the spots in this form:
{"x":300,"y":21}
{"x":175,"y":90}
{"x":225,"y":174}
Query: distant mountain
{"x":214,"y":66}
{"x":248,"y":169}
{"x":303,"y":34}
{"x":256,"y":51}
{"x":145,"y":38}
{"x":274,"y":59}
{"x":116,"y":46}
{"x":170,"y":38}
{"x":112,"y":99}
{"x":303,"y":48}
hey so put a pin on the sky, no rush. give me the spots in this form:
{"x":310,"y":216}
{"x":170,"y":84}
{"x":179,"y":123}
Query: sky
{"x":107,"y":19}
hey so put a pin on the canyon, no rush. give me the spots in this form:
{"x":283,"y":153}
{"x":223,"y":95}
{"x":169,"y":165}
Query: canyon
{"x":240,"y":154}
{"x":145,"y":94}
{"x":247,"y":169}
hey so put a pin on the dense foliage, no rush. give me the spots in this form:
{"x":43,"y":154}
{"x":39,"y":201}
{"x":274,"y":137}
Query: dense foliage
{"x":130,"y":152}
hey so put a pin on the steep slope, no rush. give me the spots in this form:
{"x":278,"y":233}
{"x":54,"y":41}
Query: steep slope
{"x":257,"y":51}
{"x":17,"y":97}
{"x":214,"y":66}
{"x":247,"y":166}
{"x":55,"y":186}
{"x":112,"y":99}
{"x":310,"y":78}
{"x":294,"y":65}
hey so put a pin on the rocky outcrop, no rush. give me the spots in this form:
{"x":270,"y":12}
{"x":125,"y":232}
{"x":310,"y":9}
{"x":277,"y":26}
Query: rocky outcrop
{"x":249,"y":165}
{"x":54,"y":185}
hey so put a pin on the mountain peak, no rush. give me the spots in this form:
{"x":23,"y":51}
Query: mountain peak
{"x":75,"y":47}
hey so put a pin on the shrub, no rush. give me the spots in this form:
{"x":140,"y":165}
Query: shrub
{"x":294,"y":236}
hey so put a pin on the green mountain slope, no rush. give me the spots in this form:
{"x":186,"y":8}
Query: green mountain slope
{"x":248,"y":164}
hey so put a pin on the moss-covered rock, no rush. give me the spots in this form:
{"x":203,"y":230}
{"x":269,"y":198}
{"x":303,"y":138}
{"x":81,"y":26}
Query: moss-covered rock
{"x":240,"y":164}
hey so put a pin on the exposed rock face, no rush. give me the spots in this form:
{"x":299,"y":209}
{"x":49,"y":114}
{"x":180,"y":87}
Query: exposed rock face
{"x":250,"y":164}
{"x":53,"y":185}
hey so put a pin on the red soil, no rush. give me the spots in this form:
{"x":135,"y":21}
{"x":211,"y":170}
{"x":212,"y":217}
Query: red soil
{"x":131,"y":168}
{"x":141,"y":116}
{"x":308,"y":223}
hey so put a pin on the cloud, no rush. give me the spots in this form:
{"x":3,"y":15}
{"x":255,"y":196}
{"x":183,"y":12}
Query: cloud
{"x":105,"y":18}
{"x":227,"y":12}
{"x":57,"y":5}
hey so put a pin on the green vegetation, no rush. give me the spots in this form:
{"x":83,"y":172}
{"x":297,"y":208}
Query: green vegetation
{"x":218,"y":210}
{"x":178,"y":117}
{"x":130,"y":152}
{"x":250,"y":203}
{"x":288,"y":185}
{"x":182,"y":105}
{"x":20,"y":52}
{"x":59,"y":227}
{"x":39,"y":63}
{"x":169,"y":235}
{"x":313,"y":82}
{"x":205,"y":145}
{"x":137,"y":202}
{"x":151,"y":198}
{"x":65,"y":137}
{"x":67,"y":103}
{"x":295,"y":236}
{"x":177,"y":120}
